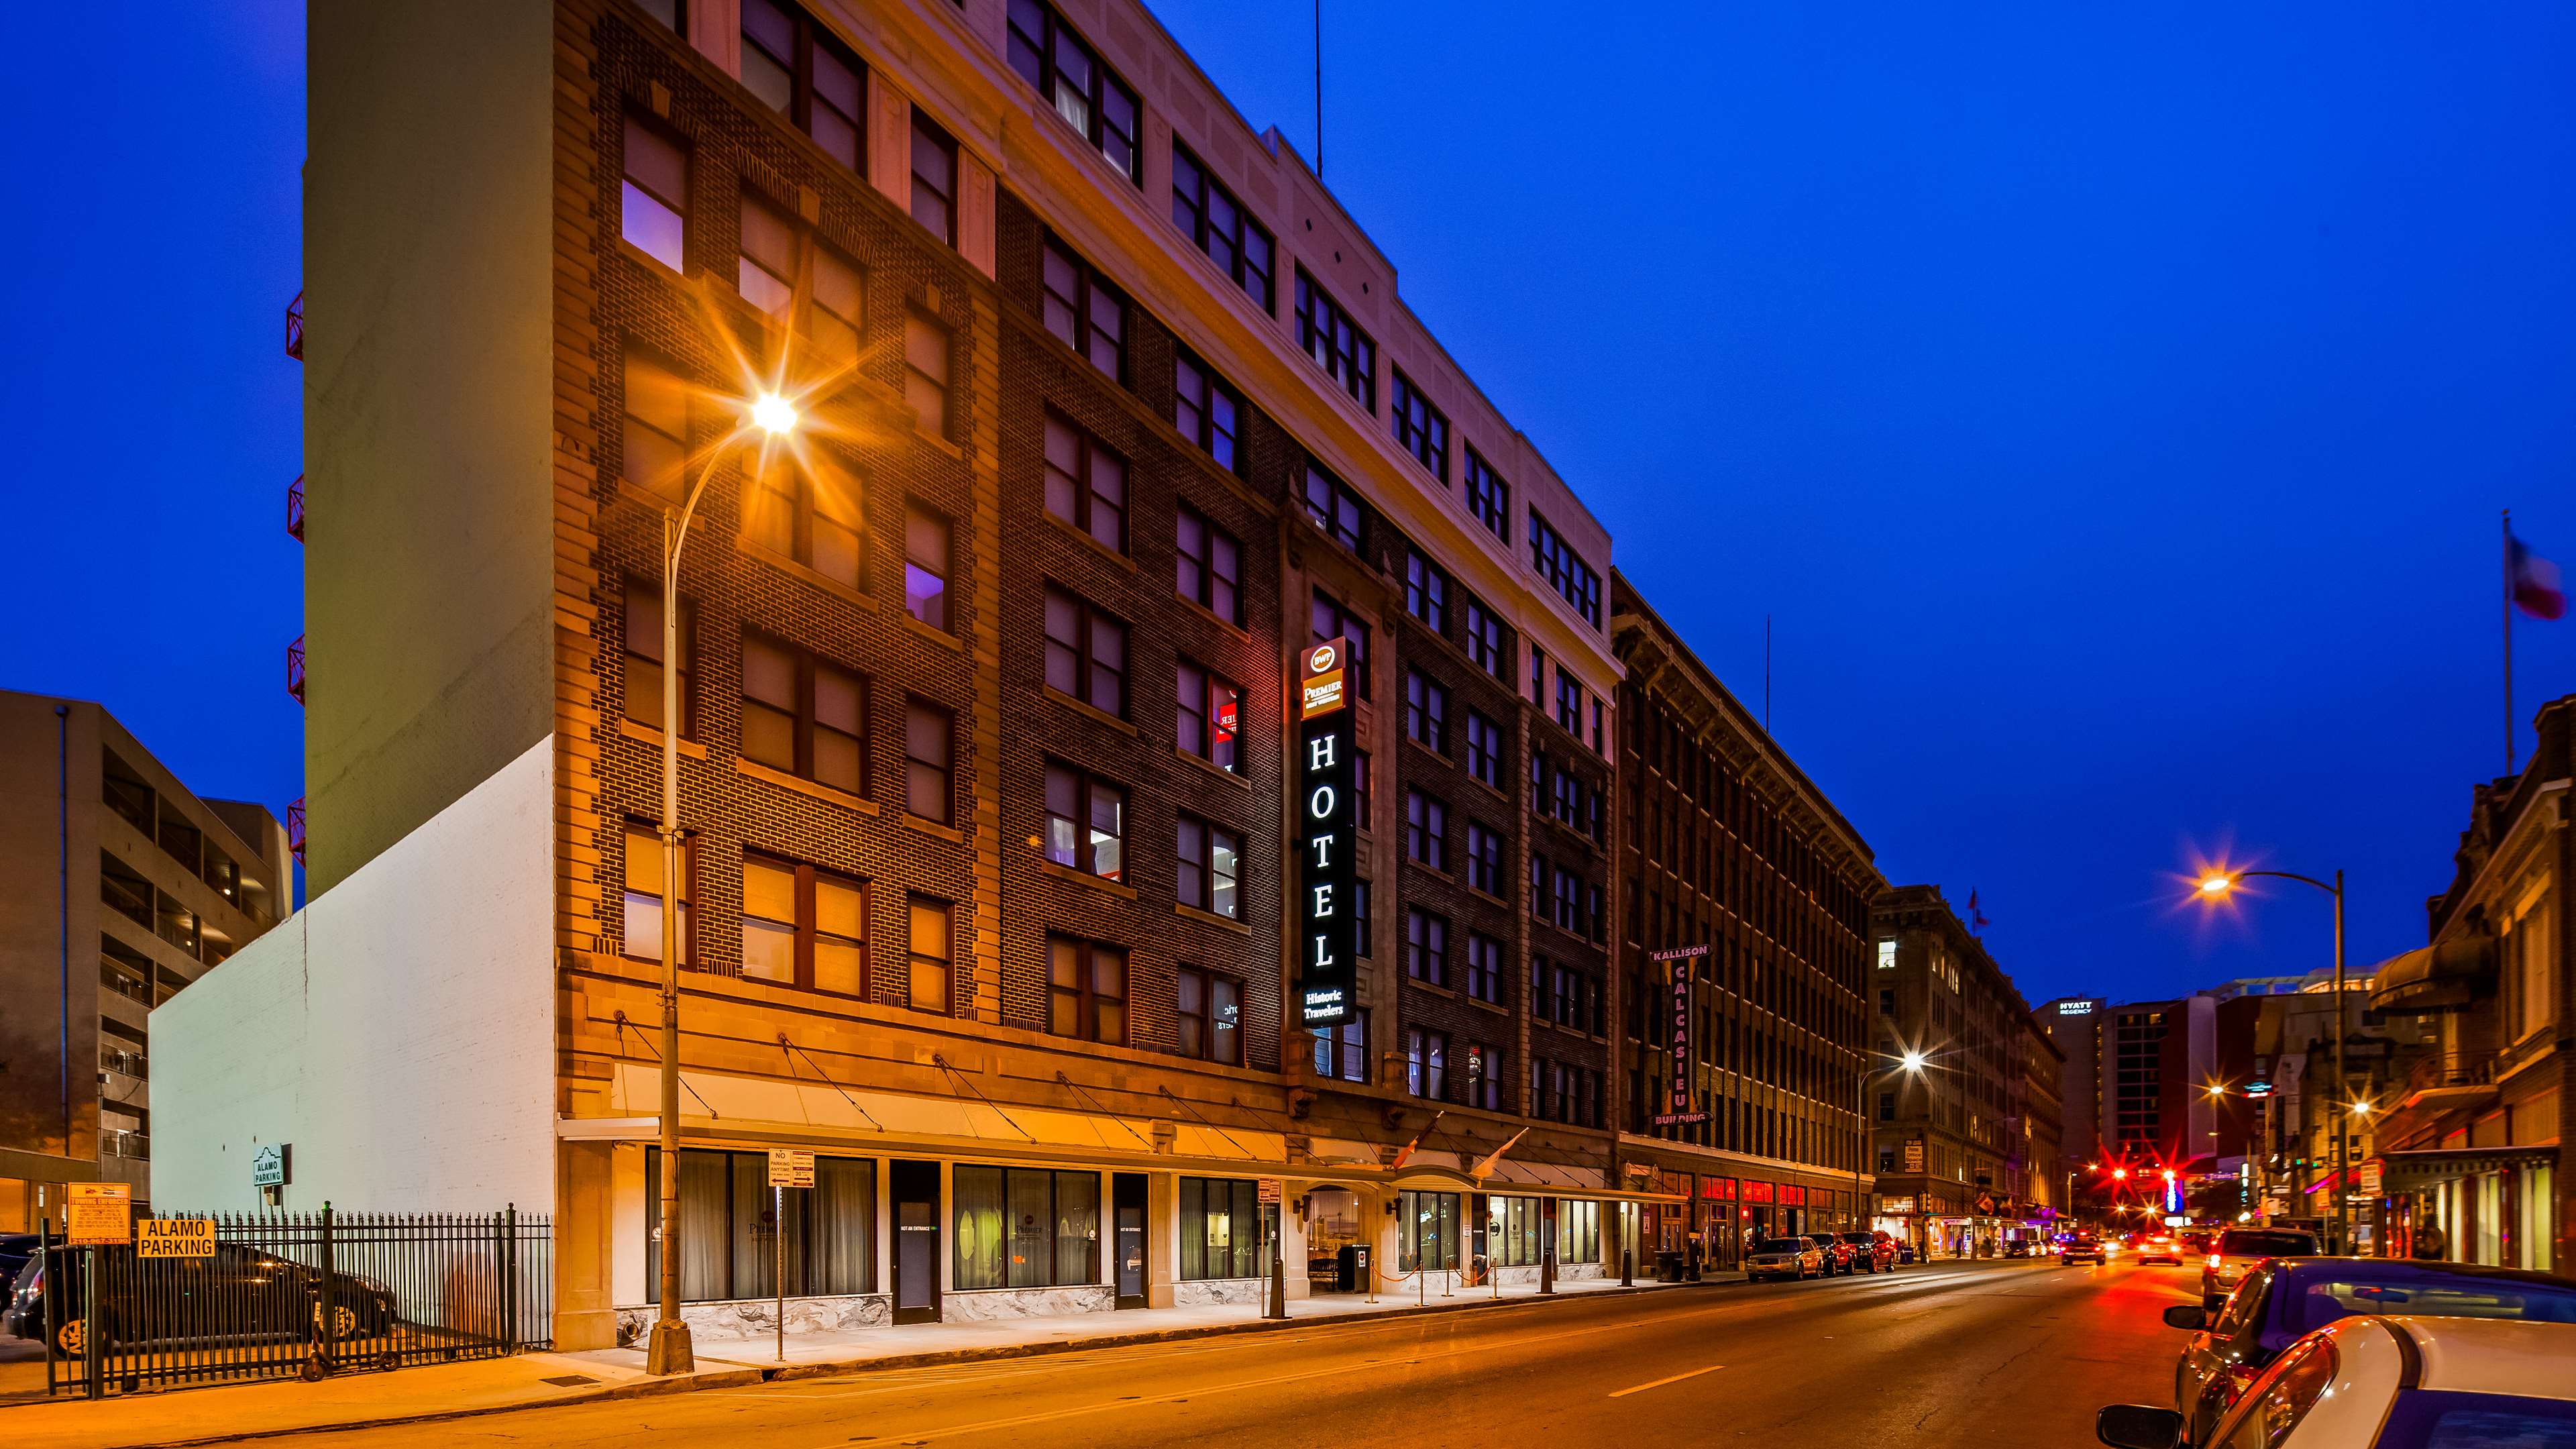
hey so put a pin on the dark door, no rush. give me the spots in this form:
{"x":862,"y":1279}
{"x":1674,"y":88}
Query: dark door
{"x":916,"y":1241}
{"x":1127,"y":1203}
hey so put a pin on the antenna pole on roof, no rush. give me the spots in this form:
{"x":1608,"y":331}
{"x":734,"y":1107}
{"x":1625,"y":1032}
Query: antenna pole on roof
{"x":1319,"y":90}
{"x":1766,"y":674}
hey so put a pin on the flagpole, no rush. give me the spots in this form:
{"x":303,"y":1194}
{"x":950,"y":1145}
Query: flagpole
{"x":2506,"y":599}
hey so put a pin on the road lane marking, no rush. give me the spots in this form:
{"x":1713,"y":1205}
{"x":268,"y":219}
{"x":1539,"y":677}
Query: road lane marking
{"x":1659,"y":1383}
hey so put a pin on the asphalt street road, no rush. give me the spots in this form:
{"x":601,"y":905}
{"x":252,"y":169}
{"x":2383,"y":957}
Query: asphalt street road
{"x":2005,"y":1354}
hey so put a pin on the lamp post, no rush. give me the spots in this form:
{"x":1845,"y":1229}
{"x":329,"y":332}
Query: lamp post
{"x":1911,"y":1062}
{"x":2215,"y":886}
{"x":668,"y":1351}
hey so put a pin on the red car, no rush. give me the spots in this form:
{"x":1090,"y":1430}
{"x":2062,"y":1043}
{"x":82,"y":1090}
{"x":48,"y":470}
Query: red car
{"x":1840,"y":1257}
{"x":1872,"y":1252}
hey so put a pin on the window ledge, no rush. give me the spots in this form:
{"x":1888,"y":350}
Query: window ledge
{"x":1229,"y":776}
{"x":1189,"y":912}
{"x":1093,"y":711}
{"x":1435,"y":988}
{"x":934,"y":633}
{"x":928,"y":826}
{"x":802,"y":786}
{"x":646,"y":734}
{"x":1495,"y":1007}
{"x":936,"y":443}
{"x":1115,"y":557}
{"x":1208,"y":613}
{"x":1085,"y":878}
{"x":744,"y":543}
{"x":1419,"y":747}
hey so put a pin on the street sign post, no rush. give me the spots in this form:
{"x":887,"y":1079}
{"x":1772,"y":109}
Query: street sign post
{"x":788,"y":1167}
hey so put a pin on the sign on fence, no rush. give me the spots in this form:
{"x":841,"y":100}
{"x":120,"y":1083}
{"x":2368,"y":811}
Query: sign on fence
{"x":175,"y":1238}
{"x":791,"y":1167}
{"x":102,"y":1212}
{"x":269,"y":1165}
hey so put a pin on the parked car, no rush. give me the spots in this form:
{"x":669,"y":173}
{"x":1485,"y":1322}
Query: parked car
{"x":15,"y":1250}
{"x":1872,"y":1252}
{"x":2160,"y":1248}
{"x":2016,"y":1247}
{"x":2239,"y":1249}
{"x":1784,"y":1258}
{"x":2284,"y":1300}
{"x":240,"y":1295}
{"x":2083,"y":1248}
{"x":2399,"y":1382}
{"x":1838,"y":1254}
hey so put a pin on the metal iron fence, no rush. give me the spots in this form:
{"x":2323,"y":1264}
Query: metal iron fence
{"x":296,"y":1294}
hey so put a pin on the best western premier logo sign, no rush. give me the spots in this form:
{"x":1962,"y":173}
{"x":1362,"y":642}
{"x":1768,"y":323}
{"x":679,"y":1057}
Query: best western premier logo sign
{"x":1327,"y":842}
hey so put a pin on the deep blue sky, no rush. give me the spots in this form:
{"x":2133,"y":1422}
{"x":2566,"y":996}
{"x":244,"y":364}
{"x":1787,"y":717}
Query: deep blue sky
{"x":2112,"y":411}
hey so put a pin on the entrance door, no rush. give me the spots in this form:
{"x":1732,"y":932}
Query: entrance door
{"x":916,"y":1241}
{"x":1127,"y":1205}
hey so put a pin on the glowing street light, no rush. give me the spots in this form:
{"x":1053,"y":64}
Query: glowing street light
{"x":773,"y":414}
{"x":1912,"y":1061}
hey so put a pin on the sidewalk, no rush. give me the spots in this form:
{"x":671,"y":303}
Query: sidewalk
{"x":364,"y":1399}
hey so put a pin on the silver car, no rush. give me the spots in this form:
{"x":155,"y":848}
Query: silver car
{"x":2239,"y":1249}
{"x":1784,"y":1258}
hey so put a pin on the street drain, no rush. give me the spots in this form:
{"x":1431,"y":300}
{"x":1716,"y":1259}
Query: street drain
{"x":569,"y":1381}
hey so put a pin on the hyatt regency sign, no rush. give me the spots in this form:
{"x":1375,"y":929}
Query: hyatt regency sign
{"x":1327,"y":841}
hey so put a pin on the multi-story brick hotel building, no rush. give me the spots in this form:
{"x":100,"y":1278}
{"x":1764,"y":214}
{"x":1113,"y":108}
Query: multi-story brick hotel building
{"x":1107,"y":413}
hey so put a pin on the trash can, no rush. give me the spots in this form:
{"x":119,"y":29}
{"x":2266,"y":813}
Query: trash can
{"x":1668,"y":1267}
{"x":1351,"y":1270}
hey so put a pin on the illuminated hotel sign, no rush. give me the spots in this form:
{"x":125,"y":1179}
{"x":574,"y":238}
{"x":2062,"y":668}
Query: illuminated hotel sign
{"x":1679,"y":1105}
{"x":1327,"y":842}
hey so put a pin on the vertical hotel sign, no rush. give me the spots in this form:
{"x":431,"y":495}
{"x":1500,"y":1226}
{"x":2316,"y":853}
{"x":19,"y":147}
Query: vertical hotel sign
{"x":1327,"y":840}
{"x":1679,"y":967}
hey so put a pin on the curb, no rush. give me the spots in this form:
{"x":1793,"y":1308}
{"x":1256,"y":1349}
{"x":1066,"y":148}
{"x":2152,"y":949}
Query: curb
{"x":748,"y":1377}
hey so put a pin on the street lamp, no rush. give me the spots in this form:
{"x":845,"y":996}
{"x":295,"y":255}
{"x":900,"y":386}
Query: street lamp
{"x":668,"y":1351}
{"x":1911,"y":1063}
{"x":2215,"y":886}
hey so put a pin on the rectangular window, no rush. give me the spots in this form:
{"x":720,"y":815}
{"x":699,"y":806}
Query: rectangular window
{"x":1488,"y":496}
{"x":1211,"y":565}
{"x":1086,"y":990}
{"x":1360,"y":908}
{"x":925,"y":371}
{"x":654,"y":202}
{"x":766,"y":274}
{"x":1569,"y":702}
{"x":1083,"y":310}
{"x":803,"y":714}
{"x":931,"y":950}
{"x":1206,"y":410}
{"x":925,"y":566}
{"x":803,"y":926}
{"x":1887,"y":954}
{"x":1086,"y":653}
{"x":1208,"y":1007}
{"x":1488,"y":642}
{"x":1068,"y":76}
{"x":1210,"y":712}
{"x":1558,"y":563}
{"x":798,"y":70}
{"x":1026,"y":1227}
{"x":1341,"y":1052}
{"x":1426,"y":1231}
{"x":673,"y":14}
{"x":1331,"y":621}
{"x":1426,"y":946}
{"x":1426,"y":591}
{"x":1485,"y":859}
{"x":656,"y":435}
{"x":1086,"y":484}
{"x":1426,"y":1063}
{"x":644,"y":659}
{"x":1334,"y":507}
{"x":1484,"y":749}
{"x":731,"y":1237}
{"x":1217,"y":224}
{"x":1326,"y":333}
{"x":1485,"y":1077}
{"x":934,"y":177}
{"x":1426,"y":829}
{"x":1211,"y":862}
{"x":1420,"y":428}
{"x":929,"y":771}
{"x":1086,"y":822}
{"x":643,"y":913}
{"x":808,"y":509}
{"x":1220,"y":1229}
{"x":1426,"y":711}
{"x":1484,"y":968}
{"x":1538,"y":676}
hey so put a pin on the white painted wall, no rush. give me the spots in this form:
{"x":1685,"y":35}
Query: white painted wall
{"x":397,"y":1033}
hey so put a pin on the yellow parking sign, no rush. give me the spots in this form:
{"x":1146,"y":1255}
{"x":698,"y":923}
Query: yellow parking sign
{"x":101,"y":1212}
{"x":175,"y":1238}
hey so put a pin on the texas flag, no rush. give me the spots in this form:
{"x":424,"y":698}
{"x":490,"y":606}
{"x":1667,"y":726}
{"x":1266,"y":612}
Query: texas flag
{"x":2533,"y":581}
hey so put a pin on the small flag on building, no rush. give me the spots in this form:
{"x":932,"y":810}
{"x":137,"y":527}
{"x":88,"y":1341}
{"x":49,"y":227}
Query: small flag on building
{"x":1976,"y":918}
{"x":2533,"y":582}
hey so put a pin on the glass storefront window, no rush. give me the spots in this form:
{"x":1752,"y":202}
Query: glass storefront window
{"x":1220,"y":1228}
{"x":730,"y":1227}
{"x":1578,"y":1232}
{"x":1023,"y":1227}
{"x":1512,"y":1233}
{"x":1427,"y":1231}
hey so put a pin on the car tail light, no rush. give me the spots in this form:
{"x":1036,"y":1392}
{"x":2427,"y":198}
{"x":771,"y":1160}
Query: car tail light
{"x":2213,"y":1262}
{"x":2232,"y":1382}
